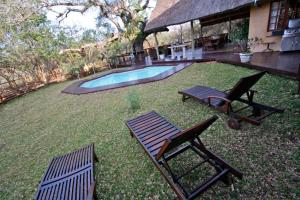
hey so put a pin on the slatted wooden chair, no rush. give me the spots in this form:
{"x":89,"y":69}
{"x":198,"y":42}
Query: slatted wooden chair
{"x":222,"y":100}
{"x":70,"y":176}
{"x":162,"y":142}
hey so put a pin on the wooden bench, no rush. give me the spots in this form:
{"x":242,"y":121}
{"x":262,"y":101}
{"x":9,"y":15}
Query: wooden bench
{"x":70,"y":176}
{"x":162,"y":142}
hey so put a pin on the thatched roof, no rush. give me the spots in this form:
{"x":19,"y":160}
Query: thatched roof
{"x":172,"y":12}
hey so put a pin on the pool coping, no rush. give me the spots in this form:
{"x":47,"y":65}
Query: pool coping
{"x":77,"y":90}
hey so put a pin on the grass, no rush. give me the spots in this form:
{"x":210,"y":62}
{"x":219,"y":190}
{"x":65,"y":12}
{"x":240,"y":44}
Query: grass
{"x":46,"y":123}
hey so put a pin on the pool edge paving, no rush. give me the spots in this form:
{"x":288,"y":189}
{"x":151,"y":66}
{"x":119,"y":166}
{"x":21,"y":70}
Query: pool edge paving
{"x":77,"y":90}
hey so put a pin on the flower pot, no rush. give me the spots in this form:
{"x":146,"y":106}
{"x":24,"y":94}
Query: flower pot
{"x":246,"y":57}
{"x":162,"y":56}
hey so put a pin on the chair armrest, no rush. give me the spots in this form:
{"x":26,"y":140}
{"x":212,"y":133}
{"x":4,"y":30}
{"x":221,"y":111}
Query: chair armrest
{"x":227,"y":90}
{"x":185,"y":136}
{"x":254,"y":91}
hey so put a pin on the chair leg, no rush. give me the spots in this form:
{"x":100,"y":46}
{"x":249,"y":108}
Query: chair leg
{"x":96,"y":158}
{"x":95,"y":194}
{"x":184,"y":97}
{"x":131,"y":134}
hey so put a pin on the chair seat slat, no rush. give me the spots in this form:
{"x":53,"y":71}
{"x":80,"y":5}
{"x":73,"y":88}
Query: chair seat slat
{"x":66,"y":176}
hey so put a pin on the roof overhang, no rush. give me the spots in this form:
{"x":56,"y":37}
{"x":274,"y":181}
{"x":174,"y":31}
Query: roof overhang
{"x":209,"y":12}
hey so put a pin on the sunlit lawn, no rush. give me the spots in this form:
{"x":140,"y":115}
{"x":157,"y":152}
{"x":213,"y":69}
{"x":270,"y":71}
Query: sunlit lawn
{"x":47,"y":123}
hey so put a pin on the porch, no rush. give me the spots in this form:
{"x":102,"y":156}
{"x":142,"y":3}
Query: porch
{"x":273,"y":62}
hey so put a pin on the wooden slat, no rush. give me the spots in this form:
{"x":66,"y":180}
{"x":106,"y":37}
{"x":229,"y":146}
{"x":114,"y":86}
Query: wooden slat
{"x":147,"y":124}
{"x":156,"y":131}
{"x":162,"y":137}
{"x":147,"y":130}
{"x":152,"y":129}
{"x":141,"y":118}
{"x":151,"y":137}
{"x":68,"y":176}
{"x":145,"y":121}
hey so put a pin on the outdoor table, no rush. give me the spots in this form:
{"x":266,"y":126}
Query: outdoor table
{"x":183,"y":46}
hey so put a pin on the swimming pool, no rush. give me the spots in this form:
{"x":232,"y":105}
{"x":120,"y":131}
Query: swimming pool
{"x":124,"y":77}
{"x":134,"y":75}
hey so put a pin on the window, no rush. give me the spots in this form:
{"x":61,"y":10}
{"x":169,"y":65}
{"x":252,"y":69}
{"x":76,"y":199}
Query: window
{"x":278,"y":15}
{"x":294,"y":9}
{"x":281,"y":11}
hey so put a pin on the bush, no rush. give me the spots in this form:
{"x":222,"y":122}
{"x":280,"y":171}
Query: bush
{"x":133,"y":100}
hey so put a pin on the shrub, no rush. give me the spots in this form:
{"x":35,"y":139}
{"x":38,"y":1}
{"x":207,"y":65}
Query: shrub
{"x":133,"y":100}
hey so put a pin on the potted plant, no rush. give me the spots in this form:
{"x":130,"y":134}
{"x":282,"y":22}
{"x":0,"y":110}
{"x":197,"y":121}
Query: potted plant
{"x":162,"y":52}
{"x":247,"y":48}
{"x":239,"y":36}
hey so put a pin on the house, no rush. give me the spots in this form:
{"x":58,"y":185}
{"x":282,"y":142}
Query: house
{"x":267,"y":18}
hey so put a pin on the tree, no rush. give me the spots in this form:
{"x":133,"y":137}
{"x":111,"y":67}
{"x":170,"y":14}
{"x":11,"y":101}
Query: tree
{"x":127,"y":16}
{"x":29,"y":44}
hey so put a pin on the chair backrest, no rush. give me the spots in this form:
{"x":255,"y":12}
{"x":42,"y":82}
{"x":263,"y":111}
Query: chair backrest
{"x":185,"y":136}
{"x":243,"y":86}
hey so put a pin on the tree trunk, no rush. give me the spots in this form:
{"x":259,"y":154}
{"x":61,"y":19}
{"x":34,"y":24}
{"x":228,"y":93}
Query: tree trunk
{"x":138,"y":47}
{"x":139,"y":41}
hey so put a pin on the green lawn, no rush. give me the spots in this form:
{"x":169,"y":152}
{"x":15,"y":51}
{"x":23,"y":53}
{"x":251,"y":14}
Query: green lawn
{"x":46,"y":123}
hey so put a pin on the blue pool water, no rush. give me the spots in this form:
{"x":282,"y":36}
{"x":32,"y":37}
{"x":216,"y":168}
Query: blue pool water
{"x":122,"y":77}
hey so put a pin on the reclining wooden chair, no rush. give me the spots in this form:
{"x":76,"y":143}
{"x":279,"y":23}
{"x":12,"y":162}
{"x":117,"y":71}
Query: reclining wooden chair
{"x":223,"y":101}
{"x":70,"y":176}
{"x":162,"y":141}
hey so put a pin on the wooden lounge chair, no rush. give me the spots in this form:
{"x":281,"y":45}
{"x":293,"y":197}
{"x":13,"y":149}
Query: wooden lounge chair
{"x":162,"y":141}
{"x":223,"y":101}
{"x":70,"y":176}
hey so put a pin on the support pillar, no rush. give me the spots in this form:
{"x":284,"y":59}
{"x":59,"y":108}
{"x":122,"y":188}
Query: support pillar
{"x":156,"y":45}
{"x":298,"y":78}
{"x":193,"y":39}
{"x":229,"y":26}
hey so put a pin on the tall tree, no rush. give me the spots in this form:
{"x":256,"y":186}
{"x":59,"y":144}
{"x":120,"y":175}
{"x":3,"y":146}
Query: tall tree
{"x":127,"y":16}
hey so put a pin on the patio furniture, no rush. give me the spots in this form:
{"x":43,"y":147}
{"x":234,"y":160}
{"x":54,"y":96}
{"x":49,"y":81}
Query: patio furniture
{"x":207,"y":43}
{"x":215,"y":40}
{"x":70,"y":176}
{"x":222,"y":100}
{"x":223,"y":39}
{"x":268,"y":46}
{"x":180,"y":46}
{"x":162,"y":142}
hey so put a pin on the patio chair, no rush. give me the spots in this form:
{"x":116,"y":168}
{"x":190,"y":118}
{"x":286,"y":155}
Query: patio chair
{"x":207,"y":43}
{"x":70,"y":176}
{"x":162,"y":142}
{"x":222,"y":100}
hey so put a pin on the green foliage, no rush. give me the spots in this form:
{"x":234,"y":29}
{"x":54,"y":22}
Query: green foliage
{"x":133,"y":100}
{"x":239,"y":34}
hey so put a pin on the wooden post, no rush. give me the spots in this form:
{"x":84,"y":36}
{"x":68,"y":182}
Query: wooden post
{"x":229,"y":26}
{"x":156,"y":46}
{"x":200,"y":29}
{"x":193,"y":39}
{"x":298,"y":78}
